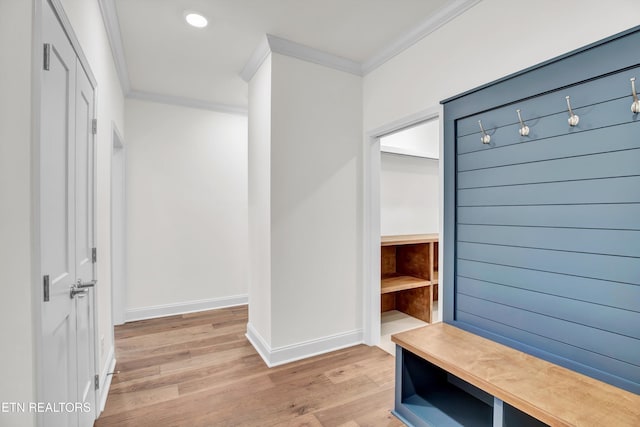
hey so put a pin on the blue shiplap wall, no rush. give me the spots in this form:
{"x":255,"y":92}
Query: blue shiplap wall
{"x":542,"y":233}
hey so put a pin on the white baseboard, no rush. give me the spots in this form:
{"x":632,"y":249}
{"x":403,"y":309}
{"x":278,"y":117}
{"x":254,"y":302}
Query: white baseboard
{"x":261,"y":346}
{"x":105,"y":379}
{"x":290,"y":353}
{"x":184,"y":307}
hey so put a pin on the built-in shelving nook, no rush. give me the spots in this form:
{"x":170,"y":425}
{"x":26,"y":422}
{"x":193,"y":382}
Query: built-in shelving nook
{"x":409,"y":270}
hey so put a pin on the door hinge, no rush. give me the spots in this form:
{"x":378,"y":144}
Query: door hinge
{"x":94,"y":255}
{"x":96,"y":381}
{"x":94,"y":126}
{"x":46,"y":60}
{"x":45,"y":285}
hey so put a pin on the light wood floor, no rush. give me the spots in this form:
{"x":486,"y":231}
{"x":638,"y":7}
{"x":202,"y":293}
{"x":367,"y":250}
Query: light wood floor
{"x":199,"y":370}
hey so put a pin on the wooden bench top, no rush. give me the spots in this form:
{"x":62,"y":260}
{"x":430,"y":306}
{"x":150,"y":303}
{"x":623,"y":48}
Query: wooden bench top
{"x":408,"y":239}
{"x":553,"y":394}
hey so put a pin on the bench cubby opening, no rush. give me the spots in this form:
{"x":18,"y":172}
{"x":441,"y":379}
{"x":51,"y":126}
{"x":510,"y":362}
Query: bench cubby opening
{"x":430,"y":396}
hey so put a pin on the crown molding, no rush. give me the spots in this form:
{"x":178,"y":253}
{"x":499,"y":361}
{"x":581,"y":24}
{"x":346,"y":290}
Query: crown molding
{"x":112,"y":26}
{"x":274,"y":44}
{"x":282,"y":46}
{"x":309,"y":54}
{"x":187,"y":102}
{"x":256,"y":59}
{"x":408,"y":39}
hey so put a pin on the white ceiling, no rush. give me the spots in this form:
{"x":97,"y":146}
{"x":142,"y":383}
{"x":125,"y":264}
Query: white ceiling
{"x":163,"y":55}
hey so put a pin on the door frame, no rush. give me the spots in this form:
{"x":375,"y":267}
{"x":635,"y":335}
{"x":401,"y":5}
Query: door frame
{"x":118,"y":287}
{"x":371,"y":218}
{"x":36,"y":247}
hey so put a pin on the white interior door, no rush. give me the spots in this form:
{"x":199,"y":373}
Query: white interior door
{"x":57,"y":207}
{"x":66,"y":222}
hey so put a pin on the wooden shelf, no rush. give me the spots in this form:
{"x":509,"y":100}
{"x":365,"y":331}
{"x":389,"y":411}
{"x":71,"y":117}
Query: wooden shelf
{"x":401,"y":283}
{"x":408,"y":239}
{"x":434,"y":279}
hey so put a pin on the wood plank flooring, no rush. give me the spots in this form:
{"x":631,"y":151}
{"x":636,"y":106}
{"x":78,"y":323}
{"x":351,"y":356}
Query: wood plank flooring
{"x":199,"y":370}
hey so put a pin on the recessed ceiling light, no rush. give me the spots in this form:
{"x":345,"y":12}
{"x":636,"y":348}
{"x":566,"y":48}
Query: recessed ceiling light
{"x":195,"y":19}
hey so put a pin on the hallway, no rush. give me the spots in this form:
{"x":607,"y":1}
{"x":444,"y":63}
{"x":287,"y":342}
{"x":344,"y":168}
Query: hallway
{"x":195,"y":370}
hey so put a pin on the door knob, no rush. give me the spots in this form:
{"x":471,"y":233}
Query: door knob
{"x":81,"y":289}
{"x":81,"y":293}
{"x":83,"y":285}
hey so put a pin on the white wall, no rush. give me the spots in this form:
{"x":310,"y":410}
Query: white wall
{"x":186,"y":207}
{"x":409,"y":195}
{"x":86,"y":21}
{"x":16,"y":322}
{"x":493,"y":39}
{"x":316,"y":137}
{"x":259,"y":172}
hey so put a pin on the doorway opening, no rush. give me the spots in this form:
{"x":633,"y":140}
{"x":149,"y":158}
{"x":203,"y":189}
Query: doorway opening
{"x":402,"y":227}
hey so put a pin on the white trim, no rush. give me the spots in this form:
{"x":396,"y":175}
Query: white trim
{"x":309,"y":54}
{"x":371,"y":240}
{"x":371,"y":219}
{"x":112,"y":27}
{"x":187,"y":102}
{"x":259,"y":344}
{"x":105,"y":380}
{"x":404,"y":152}
{"x":290,"y":48}
{"x":441,"y":274}
{"x":259,"y":55}
{"x":292,"y":352}
{"x":66,"y":25}
{"x":184,"y":307}
{"x":118,"y":287}
{"x":431,"y":24}
{"x":274,"y":44}
{"x":36,"y":246}
{"x":405,"y":122}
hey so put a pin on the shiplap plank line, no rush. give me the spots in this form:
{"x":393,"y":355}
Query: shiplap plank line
{"x":595,"y":91}
{"x":594,"y":166}
{"x":618,"y":137}
{"x":592,"y":117}
{"x":610,"y":319}
{"x":625,"y":372}
{"x":605,"y":343}
{"x":614,"y":217}
{"x":596,"y":191}
{"x":602,"y":242}
{"x":605,"y":267}
{"x":594,"y":291}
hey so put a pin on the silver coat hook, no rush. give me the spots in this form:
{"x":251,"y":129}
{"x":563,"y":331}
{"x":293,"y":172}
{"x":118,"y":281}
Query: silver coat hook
{"x":485,"y":138}
{"x":573,"y":118}
{"x":635,"y":107}
{"x":524,"y":129}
